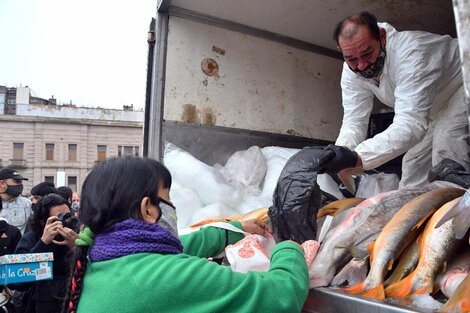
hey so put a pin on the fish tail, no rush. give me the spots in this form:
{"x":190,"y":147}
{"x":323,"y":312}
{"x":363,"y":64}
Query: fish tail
{"x":358,"y":288}
{"x":376,"y":293}
{"x":408,"y":286}
{"x":400,"y":289}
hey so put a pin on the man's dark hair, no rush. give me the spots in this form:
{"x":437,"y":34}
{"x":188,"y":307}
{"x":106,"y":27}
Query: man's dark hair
{"x":66,"y":193}
{"x":43,"y":189}
{"x":364,"y":18}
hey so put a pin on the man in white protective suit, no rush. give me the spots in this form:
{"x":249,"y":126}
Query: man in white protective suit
{"x":416,"y":73}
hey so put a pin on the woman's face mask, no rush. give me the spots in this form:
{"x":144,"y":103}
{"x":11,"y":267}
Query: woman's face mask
{"x":168,"y":219}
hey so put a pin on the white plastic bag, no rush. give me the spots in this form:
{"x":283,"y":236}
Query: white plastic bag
{"x":373,"y":184}
{"x":247,"y":167}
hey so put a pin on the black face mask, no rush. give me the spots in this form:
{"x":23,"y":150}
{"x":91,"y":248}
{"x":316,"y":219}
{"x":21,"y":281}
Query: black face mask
{"x":14,"y":191}
{"x":374,"y":69}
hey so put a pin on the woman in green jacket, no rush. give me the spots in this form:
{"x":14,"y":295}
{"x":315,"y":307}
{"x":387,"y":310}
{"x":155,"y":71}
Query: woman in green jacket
{"x":129,"y":257}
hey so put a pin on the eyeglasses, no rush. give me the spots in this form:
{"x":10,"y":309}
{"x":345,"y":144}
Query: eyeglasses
{"x":163,"y":203}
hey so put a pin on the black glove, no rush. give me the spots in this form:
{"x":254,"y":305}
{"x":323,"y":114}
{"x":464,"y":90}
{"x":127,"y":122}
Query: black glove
{"x":343,"y":158}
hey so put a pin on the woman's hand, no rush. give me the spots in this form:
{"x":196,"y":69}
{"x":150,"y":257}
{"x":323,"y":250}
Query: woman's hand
{"x":254,"y":227}
{"x":69,"y":237}
{"x":51,"y":229}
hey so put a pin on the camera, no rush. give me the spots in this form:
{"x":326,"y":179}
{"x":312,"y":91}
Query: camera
{"x":69,"y":220}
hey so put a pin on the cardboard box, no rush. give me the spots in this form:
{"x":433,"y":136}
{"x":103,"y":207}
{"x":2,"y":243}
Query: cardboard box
{"x":20,"y":268}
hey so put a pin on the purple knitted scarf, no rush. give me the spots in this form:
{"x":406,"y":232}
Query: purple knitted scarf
{"x":132,"y":236}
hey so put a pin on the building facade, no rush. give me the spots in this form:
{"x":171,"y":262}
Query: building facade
{"x":62,"y":143}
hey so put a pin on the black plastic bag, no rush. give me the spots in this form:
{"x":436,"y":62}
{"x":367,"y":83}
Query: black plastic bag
{"x":297,"y":196}
{"x":451,"y":171}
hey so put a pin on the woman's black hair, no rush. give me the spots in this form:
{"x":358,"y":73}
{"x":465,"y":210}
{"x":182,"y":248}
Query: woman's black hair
{"x":111,"y":193}
{"x":113,"y":190}
{"x":39,"y":217}
{"x":364,"y":18}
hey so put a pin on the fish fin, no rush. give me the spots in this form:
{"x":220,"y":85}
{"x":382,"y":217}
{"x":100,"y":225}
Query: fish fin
{"x":406,"y":287}
{"x":400,"y":289}
{"x":457,"y":209}
{"x":461,"y":224}
{"x":358,"y":288}
{"x":377,"y":293}
{"x":423,"y":220}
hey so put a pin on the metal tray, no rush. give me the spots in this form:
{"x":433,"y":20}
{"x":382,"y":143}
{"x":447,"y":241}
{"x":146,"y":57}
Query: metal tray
{"x":327,"y":300}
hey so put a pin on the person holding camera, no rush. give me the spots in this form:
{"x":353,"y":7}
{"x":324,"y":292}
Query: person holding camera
{"x":53,"y":229}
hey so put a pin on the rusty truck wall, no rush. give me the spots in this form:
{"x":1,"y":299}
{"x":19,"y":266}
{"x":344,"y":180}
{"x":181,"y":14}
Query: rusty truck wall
{"x":225,"y":90}
{"x":225,"y":78}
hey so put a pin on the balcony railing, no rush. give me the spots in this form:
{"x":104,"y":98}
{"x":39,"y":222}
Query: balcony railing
{"x":17,"y":163}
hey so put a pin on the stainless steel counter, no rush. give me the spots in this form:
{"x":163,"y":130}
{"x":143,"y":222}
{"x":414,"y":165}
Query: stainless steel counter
{"x":327,"y":300}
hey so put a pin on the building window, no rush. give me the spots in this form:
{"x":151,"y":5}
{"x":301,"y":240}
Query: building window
{"x":72,"y":182}
{"x":49,"y":179}
{"x":72,"y":152}
{"x":101,"y":152}
{"x":18,"y":151}
{"x":49,"y":151}
{"x":127,"y":151}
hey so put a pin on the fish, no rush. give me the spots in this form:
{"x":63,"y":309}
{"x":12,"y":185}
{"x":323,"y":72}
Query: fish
{"x":408,"y":261}
{"x":338,"y":206}
{"x":435,"y":247}
{"x":393,"y":238}
{"x":260,"y":215}
{"x":354,"y":272}
{"x":358,"y":227}
{"x":460,"y":215}
{"x":460,"y":300}
{"x":455,"y":273}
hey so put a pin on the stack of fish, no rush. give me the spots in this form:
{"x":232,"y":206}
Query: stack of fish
{"x":397,"y":245}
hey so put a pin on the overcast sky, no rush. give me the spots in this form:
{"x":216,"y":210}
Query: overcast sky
{"x":90,"y":52}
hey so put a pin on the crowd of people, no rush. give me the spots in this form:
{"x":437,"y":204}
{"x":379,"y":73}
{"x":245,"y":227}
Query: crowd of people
{"x":36,"y":225}
{"x":126,"y":246}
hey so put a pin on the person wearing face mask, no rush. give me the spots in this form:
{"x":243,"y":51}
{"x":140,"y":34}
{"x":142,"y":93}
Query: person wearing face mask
{"x":416,"y":73}
{"x":16,"y":209}
{"x":75,"y":202}
{"x":129,"y":257}
{"x":49,"y":233}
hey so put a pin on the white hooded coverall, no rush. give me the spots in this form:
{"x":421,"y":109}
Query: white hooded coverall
{"x":421,"y":79}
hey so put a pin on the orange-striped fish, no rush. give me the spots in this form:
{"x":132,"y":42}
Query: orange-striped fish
{"x":261,"y":215}
{"x":393,"y":238}
{"x":435,"y":247}
{"x":361,"y":225}
{"x":338,"y":206}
